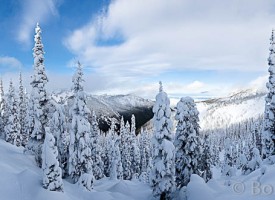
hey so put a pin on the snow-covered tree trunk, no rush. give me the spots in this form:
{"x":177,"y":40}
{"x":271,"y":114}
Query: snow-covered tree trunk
{"x":163,"y":171}
{"x":52,"y":174}
{"x":38,"y":100}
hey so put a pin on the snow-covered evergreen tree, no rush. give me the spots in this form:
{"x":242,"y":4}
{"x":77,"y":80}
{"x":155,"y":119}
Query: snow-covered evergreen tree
{"x":163,"y":171}
{"x":228,"y":169}
{"x":22,"y":104}
{"x":111,"y":136}
{"x":145,"y":149}
{"x":125,"y":149}
{"x":255,"y":162}
{"x":187,"y":141}
{"x":115,"y":168}
{"x":37,"y":118}
{"x":80,"y":158}
{"x":52,"y":178}
{"x":206,"y":160}
{"x":12,"y":127}
{"x":2,"y":110}
{"x":98,"y":165}
{"x":268,"y":134}
{"x":134,"y":148}
{"x":58,"y":126}
{"x":105,"y":155}
{"x":242,"y":162}
{"x":145,"y":155}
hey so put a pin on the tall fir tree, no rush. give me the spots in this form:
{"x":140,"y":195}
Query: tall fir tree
{"x":52,"y":174}
{"x":58,"y":126}
{"x":80,"y":158}
{"x":268,"y":134}
{"x":12,"y":127}
{"x":2,"y":110}
{"x":145,"y":150}
{"x":163,"y":171}
{"x":125,"y":149}
{"x":98,"y":165}
{"x":37,"y":118}
{"x":114,"y":154}
{"x":22,"y":104}
{"x":227,"y":169}
{"x":134,"y":148}
{"x":187,"y":141}
{"x":206,"y":160}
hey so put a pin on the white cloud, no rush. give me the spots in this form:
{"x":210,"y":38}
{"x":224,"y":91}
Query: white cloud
{"x":34,"y":11}
{"x":162,"y":35}
{"x":7,"y":62}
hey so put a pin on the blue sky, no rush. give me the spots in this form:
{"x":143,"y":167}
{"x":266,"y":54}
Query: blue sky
{"x":196,"y":47}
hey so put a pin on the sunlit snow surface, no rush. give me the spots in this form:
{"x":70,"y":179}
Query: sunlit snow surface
{"x":219,"y":113}
{"x":20,"y":179}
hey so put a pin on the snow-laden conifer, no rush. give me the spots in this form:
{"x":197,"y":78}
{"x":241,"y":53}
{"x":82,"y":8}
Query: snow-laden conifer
{"x":98,"y":165}
{"x":135,"y":169}
{"x":228,"y":168}
{"x":163,"y":171}
{"x":126,"y":149}
{"x":206,"y":160}
{"x":187,"y":142}
{"x":2,"y":110}
{"x":12,"y":127}
{"x":268,"y":134}
{"x":80,"y":158}
{"x":22,"y":105}
{"x":37,"y":115}
{"x":58,"y":126}
{"x":52,"y":174}
{"x":114,"y":155}
{"x":255,"y":162}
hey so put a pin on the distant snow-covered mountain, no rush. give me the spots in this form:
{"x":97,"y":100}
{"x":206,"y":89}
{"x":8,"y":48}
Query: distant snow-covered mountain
{"x":112,"y":106}
{"x":214,"y":113}
{"x":237,"y":107}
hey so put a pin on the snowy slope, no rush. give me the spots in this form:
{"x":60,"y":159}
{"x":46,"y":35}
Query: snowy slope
{"x":221,"y":112}
{"x":22,"y":180}
{"x":107,"y":106}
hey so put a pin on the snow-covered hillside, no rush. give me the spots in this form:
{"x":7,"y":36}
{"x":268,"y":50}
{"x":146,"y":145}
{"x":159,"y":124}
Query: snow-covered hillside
{"x":240,"y":106}
{"x":22,"y":179}
{"x":107,"y":106}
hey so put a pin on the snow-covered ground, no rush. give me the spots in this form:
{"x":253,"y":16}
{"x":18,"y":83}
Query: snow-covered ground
{"x":254,"y":186}
{"x":20,"y":179}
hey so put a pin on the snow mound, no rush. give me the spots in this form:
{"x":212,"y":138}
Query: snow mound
{"x":130,"y":187}
{"x":197,"y":188}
